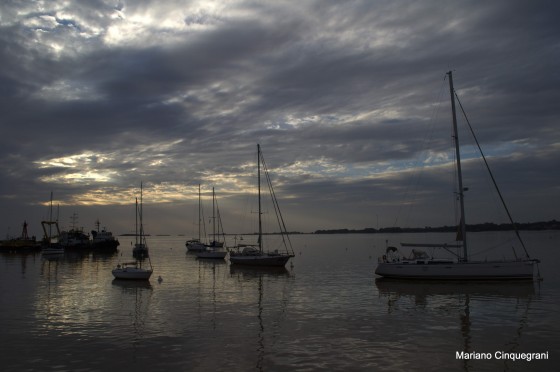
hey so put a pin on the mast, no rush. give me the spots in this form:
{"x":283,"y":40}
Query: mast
{"x":141,"y":224}
{"x":459,"y":173}
{"x":136,"y":224}
{"x":199,"y":201}
{"x":259,"y":188}
{"x":50,"y":218}
{"x":213,"y":217}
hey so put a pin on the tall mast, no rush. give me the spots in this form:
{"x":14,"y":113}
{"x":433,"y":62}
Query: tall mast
{"x":459,"y":173}
{"x":213,"y":217}
{"x":50,"y":219}
{"x":141,"y":222}
{"x":136,"y":223}
{"x":199,"y":201}
{"x":259,"y":188}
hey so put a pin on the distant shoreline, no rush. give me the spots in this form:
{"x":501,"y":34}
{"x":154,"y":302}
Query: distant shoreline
{"x":488,"y":226}
{"x":482,"y":227}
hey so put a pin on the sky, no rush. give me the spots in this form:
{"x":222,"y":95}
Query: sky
{"x":348,"y":99}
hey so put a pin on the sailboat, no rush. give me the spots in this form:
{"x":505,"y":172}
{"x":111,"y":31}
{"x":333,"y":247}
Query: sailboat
{"x":140,"y":250}
{"x":216,"y":243}
{"x":215,"y":248}
{"x":195,"y":245}
{"x":50,"y":244}
{"x":255,"y":255}
{"x":133,"y":270}
{"x":419,"y":265}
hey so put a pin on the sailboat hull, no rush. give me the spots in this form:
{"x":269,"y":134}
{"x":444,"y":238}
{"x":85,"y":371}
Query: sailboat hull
{"x":483,"y":270}
{"x":259,"y":260}
{"x":195,"y":246}
{"x":132,"y":273}
{"x":219,"y":255}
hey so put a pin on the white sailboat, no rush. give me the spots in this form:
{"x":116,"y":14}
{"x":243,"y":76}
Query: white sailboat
{"x":421,"y":266}
{"x":51,"y":244}
{"x":140,"y":250}
{"x":195,"y":244}
{"x":216,"y":248}
{"x":133,"y":270}
{"x":256,"y":255}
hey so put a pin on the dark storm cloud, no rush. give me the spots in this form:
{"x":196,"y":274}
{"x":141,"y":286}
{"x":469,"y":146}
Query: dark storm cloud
{"x":342,"y":96}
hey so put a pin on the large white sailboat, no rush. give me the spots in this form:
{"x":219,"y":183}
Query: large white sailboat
{"x":419,"y":265}
{"x":255,"y":255}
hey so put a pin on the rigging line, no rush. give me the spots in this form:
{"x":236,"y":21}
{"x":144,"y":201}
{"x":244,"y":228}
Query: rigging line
{"x":279,"y":217}
{"x":220,"y":225}
{"x":492,"y":177}
{"x":491,"y":248}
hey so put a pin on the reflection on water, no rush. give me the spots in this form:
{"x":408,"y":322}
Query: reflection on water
{"x":134,"y":307}
{"x":472,"y":299}
{"x":327,"y":312}
{"x":270,"y":291}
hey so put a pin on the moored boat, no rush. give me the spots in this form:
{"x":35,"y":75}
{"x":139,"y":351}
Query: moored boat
{"x":195,"y":244}
{"x":140,"y":250}
{"x":255,"y":255}
{"x":132,"y":270}
{"x":103,"y":240}
{"x":419,"y":265}
{"x":21,"y":243}
{"x":50,"y":244}
{"x":215,"y":249}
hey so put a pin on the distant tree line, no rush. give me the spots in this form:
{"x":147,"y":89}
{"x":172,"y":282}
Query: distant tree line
{"x":487,"y":226}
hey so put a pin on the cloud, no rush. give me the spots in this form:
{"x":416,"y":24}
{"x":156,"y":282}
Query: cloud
{"x":348,"y":101}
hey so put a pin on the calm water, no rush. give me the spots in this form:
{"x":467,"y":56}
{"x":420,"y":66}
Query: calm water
{"x":326,"y":312}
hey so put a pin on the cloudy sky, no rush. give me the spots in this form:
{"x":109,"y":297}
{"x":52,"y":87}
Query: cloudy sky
{"x":348,"y":100}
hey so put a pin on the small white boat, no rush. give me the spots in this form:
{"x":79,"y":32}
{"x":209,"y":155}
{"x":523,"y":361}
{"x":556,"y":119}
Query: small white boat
{"x":132,"y":271}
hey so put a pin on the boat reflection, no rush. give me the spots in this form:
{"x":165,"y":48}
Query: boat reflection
{"x":423,"y":289}
{"x":23,"y":257}
{"x":131,"y":285}
{"x":272,"y":297}
{"x":258,"y":272}
{"x":490,"y":301}
{"x":136,"y":293}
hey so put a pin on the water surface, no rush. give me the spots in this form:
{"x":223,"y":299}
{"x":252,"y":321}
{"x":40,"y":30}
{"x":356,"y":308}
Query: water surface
{"x":325,"y":311}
